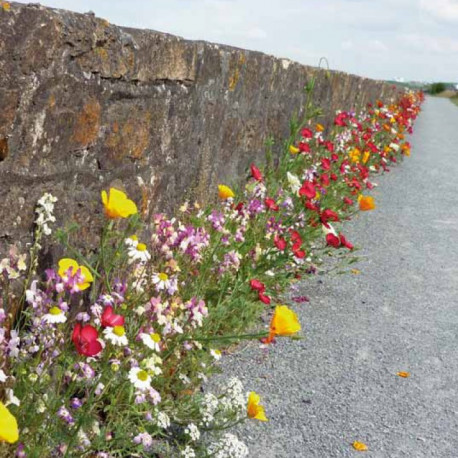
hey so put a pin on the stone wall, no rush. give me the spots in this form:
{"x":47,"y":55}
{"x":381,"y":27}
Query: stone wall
{"x":85,"y":104}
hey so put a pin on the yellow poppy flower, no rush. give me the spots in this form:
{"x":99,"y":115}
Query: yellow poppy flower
{"x":8,"y":426}
{"x":366,"y":156}
{"x":293,"y":149}
{"x":366,"y":203}
{"x":360,"y":446}
{"x":355,"y":155}
{"x":319,"y":127}
{"x":254,"y":410}
{"x":284,"y":322}
{"x":403,"y":374}
{"x":225,"y":192}
{"x":117,"y":204}
{"x":67,"y":263}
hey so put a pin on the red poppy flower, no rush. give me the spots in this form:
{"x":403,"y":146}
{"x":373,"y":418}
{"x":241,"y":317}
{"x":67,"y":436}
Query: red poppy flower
{"x":306,"y":133}
{"x":340,"y":119}
{"x":257,"y":285}
{"x":334,"y":177}
{"x":328,"y":215}
{"x":298,"y":253}
{"x":295,"y":236}
{"x":280,"y":242}
{"x":110,"y":319}
{"x":310,"y":206}
{"x":343,"y":166}
{"x":344,"y":242}
{"x":324,"y":180}
{"x":239,"y":206}
{"x":270,"y":204}
{"x":85,"y":340}
{"x":304,"y":147}
{"x":348,"y":201}
{"x":332,"y":240}
{"x":325,"y":163}
{"x":330,"y":148}
{"x":354,"y":183}
{"x":372,"y":147}
{"x":263,"y":298}
{"x":308,"y":190}
{"x":256,"y":173}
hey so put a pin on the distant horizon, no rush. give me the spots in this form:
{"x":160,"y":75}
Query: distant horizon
{"x":374,"y":40}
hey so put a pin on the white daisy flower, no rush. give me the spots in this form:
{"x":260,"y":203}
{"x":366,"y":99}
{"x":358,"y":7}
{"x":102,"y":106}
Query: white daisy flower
{"x":3,"y":376}
{"x":116,"y":335}
{"x":216,"y":354}
{"x":161,"y":280}
{"x":138,"y":253}
{"x":55,"y":315}
{"x":140,"y":378}
{"x":131,"y":241}
{"x":151,"y":340}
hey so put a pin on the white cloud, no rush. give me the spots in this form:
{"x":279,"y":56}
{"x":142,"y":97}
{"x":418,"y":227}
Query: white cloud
{"x":377,"y":46}
{"x":443,"y":10}
{"x":431,"y":44}
{"x":347,"y":44}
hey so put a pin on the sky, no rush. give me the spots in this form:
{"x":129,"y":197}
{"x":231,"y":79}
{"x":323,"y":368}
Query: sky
{"x":383,"y":39}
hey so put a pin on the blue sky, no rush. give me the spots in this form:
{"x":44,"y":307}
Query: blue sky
{"x":413,"y":39}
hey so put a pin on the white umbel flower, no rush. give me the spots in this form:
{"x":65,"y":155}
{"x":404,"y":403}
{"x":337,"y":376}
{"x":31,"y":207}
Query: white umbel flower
{"x":188,"y":452}
{"x":140,"y":378}
{"x":162,"y":420}
{"x":192,"y":431}
{"x":228,"y":446}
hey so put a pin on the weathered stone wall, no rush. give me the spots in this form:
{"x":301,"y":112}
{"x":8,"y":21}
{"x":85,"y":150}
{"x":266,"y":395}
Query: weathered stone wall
{"x":84,"y":103}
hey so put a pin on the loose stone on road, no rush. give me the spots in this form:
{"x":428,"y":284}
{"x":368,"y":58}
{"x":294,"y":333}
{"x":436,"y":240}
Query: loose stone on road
{"x":340,"y":383}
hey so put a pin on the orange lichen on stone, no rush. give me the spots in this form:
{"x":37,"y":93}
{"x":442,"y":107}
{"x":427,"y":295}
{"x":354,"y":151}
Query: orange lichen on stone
{"x":9,"y":101}
{"x":101,"y":52}
{"x":87,"y":124}
{"x":234,"y":78}
{"x":3,"y":148}
{"x":129,"y":137}
{"x":6,"y":6}
{"x":52,"y":101}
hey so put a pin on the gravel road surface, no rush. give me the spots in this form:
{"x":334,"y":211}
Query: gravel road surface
{"x":339,"y":384}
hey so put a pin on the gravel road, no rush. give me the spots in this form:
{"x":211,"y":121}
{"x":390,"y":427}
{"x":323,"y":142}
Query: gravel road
{"x":339,"y":384}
